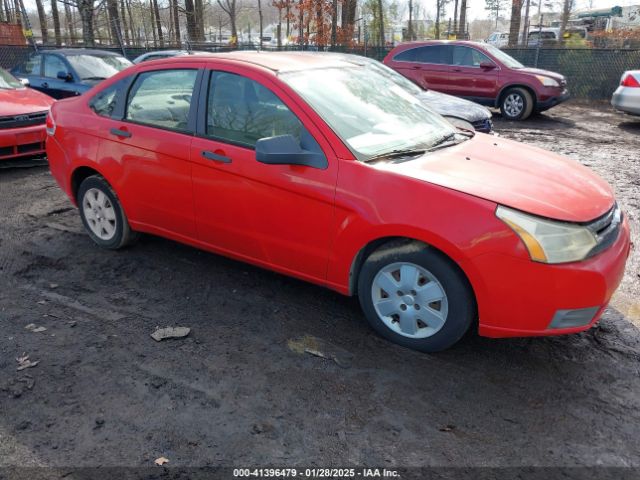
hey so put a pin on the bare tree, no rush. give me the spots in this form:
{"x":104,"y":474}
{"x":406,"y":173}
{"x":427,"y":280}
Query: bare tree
{"x":229,"y":7}
{"x":55,"y":16}
{"x":260,"y":20}
{"x":381,"y":26}
{"x":114,"y":20}
{"x":514,"y":24}
{"x":85,"y":8}
{"x":42,"y":17}
{"x":176,"y":22}
{"x":462,"y":24}
{"x":567,"y":6}
{"x":70,"y":28}
{"x":158,"y":24}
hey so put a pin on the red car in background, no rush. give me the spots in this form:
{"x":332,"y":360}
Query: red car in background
{"x":23,"y":112}
{"x":479,"y":72}
{"x":327,"y":169}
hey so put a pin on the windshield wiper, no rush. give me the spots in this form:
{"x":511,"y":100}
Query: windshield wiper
{"x":94,"y":78}
{"x":407,"y":152}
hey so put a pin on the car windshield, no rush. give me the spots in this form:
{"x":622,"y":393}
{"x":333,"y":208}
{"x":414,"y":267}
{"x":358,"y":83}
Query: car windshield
{"x":507,"y":60}
{"x":8,"y":81}
{"x":374,"y":114}
{"x":97,"y":66}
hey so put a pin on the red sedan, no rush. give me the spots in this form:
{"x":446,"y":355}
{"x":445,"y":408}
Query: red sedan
{"x":326,"y":169}
{"x":23,"y":112}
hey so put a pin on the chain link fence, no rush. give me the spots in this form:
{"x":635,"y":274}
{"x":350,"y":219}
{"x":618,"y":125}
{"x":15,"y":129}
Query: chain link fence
{"x":592,"y":74}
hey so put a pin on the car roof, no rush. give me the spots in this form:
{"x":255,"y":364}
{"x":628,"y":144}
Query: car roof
{"x":420,"y":43}
{"x":274,"y":61}
{"x":80,"y":51}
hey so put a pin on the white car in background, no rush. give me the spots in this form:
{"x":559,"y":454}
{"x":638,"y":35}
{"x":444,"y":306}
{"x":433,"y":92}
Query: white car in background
{"x":498,"y":39}
{"x":627,"y":97}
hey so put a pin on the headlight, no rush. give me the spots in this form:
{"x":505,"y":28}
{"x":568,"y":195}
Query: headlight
{"x":460,"y":123}
{"x":549,"y":241}
{"x":547,"y":81}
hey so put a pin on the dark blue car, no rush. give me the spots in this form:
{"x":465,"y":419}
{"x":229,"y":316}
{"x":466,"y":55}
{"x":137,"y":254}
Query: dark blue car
{"x":69,"y":72}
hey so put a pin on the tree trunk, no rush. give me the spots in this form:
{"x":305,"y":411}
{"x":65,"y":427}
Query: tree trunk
{"x":334,"y":23}
{"x":514,"y":25}
{"x":300,"y":23}
{"x":525,"y":28}
{"x":288,"y":19}
{"x":56,"y":22}
{"x":189,"y":10}
{"x":85,"y":7}
{"x":462,"y":25}
{"x":69,"y":27}
{"x":410,"y":24}
{"x":176,"y":22}
{"x":156,"y":12}
{"x":42,"y":17}
{"x":381,"y":26}
{"x":123,"y":12}
{"x":438,"y":19}
{"x":199,"y":13}
{"x":114,"y":20}
{"x":566,"y":10}
{"x":260,"y":20}
{"x":455,"y":18}
{"x":279,"y":28}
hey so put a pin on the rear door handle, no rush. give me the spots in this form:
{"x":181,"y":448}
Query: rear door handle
{"x":215,"y":157}
{"x":416,"y":67}
{"x":120,"y":133}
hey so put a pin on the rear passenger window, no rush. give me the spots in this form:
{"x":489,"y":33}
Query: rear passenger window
{"x":104,"y":103}
{"x":438,"y":54}
{"x":240,"y":110}
{"x":32,"y":66}
{"x":162,"y":98}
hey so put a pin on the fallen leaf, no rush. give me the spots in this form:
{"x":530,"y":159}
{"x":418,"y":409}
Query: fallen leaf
{"x":170,"y":332}
{"x":161,"y":461}
{"x":447,"y":428}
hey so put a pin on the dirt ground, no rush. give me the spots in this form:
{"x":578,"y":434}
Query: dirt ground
{"x":237,"y":392}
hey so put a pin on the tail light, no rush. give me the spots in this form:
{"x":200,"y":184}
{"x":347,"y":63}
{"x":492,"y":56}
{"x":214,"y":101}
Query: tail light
{"x":630,"y":81}
{"x":51,"y":125}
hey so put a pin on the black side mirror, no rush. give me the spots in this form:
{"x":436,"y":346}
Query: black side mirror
{"x":62,"y":75}
{"x":285,"y":150}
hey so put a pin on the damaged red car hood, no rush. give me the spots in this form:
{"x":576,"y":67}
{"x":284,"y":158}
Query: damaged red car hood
{"x":515,"y":175}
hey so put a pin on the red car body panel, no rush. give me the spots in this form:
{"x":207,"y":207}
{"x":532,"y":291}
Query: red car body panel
{"x":313,"y":224}
{"x":479,"y":84}
{"x":22,"y":140}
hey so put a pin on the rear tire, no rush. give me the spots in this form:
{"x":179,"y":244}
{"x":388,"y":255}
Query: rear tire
{"x":415,"y":296}
{"x":516,"y":104}
{"x":102,"y":215}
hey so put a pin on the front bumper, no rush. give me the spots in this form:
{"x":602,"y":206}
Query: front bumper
{"x":627,"y":100}
{"x":22,"y":142}
{"x":546,"y":102}
{"x":518,"y":297}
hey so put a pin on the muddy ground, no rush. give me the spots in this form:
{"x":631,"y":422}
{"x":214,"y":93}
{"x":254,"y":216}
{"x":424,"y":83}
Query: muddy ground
{"x":236,"y":392}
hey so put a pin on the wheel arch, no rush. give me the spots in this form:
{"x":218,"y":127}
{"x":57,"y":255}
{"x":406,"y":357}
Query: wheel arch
{"x":524,"y":86}
{"x":381,"y":243}
{"x":78,"y":175}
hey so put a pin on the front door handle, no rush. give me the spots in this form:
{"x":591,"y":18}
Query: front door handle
{"x":215,"y":157}
{"x":416,"y":67}
{"x":45,"y":85}
{"x":120,"y":133}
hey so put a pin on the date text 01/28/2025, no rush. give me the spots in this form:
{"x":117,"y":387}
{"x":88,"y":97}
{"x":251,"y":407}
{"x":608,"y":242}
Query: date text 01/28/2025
{"x":315,"y":473}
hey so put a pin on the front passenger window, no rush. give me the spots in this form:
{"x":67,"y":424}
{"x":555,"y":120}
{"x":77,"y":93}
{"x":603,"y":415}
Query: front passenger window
{"x":240,"y":110}
{"x":104,"y":102}
{"x":162,"y":98}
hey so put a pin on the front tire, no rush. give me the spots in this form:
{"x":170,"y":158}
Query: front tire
{"x":516,"y":104}
{"x":416,"y":297}
{"x":102,"y":214}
